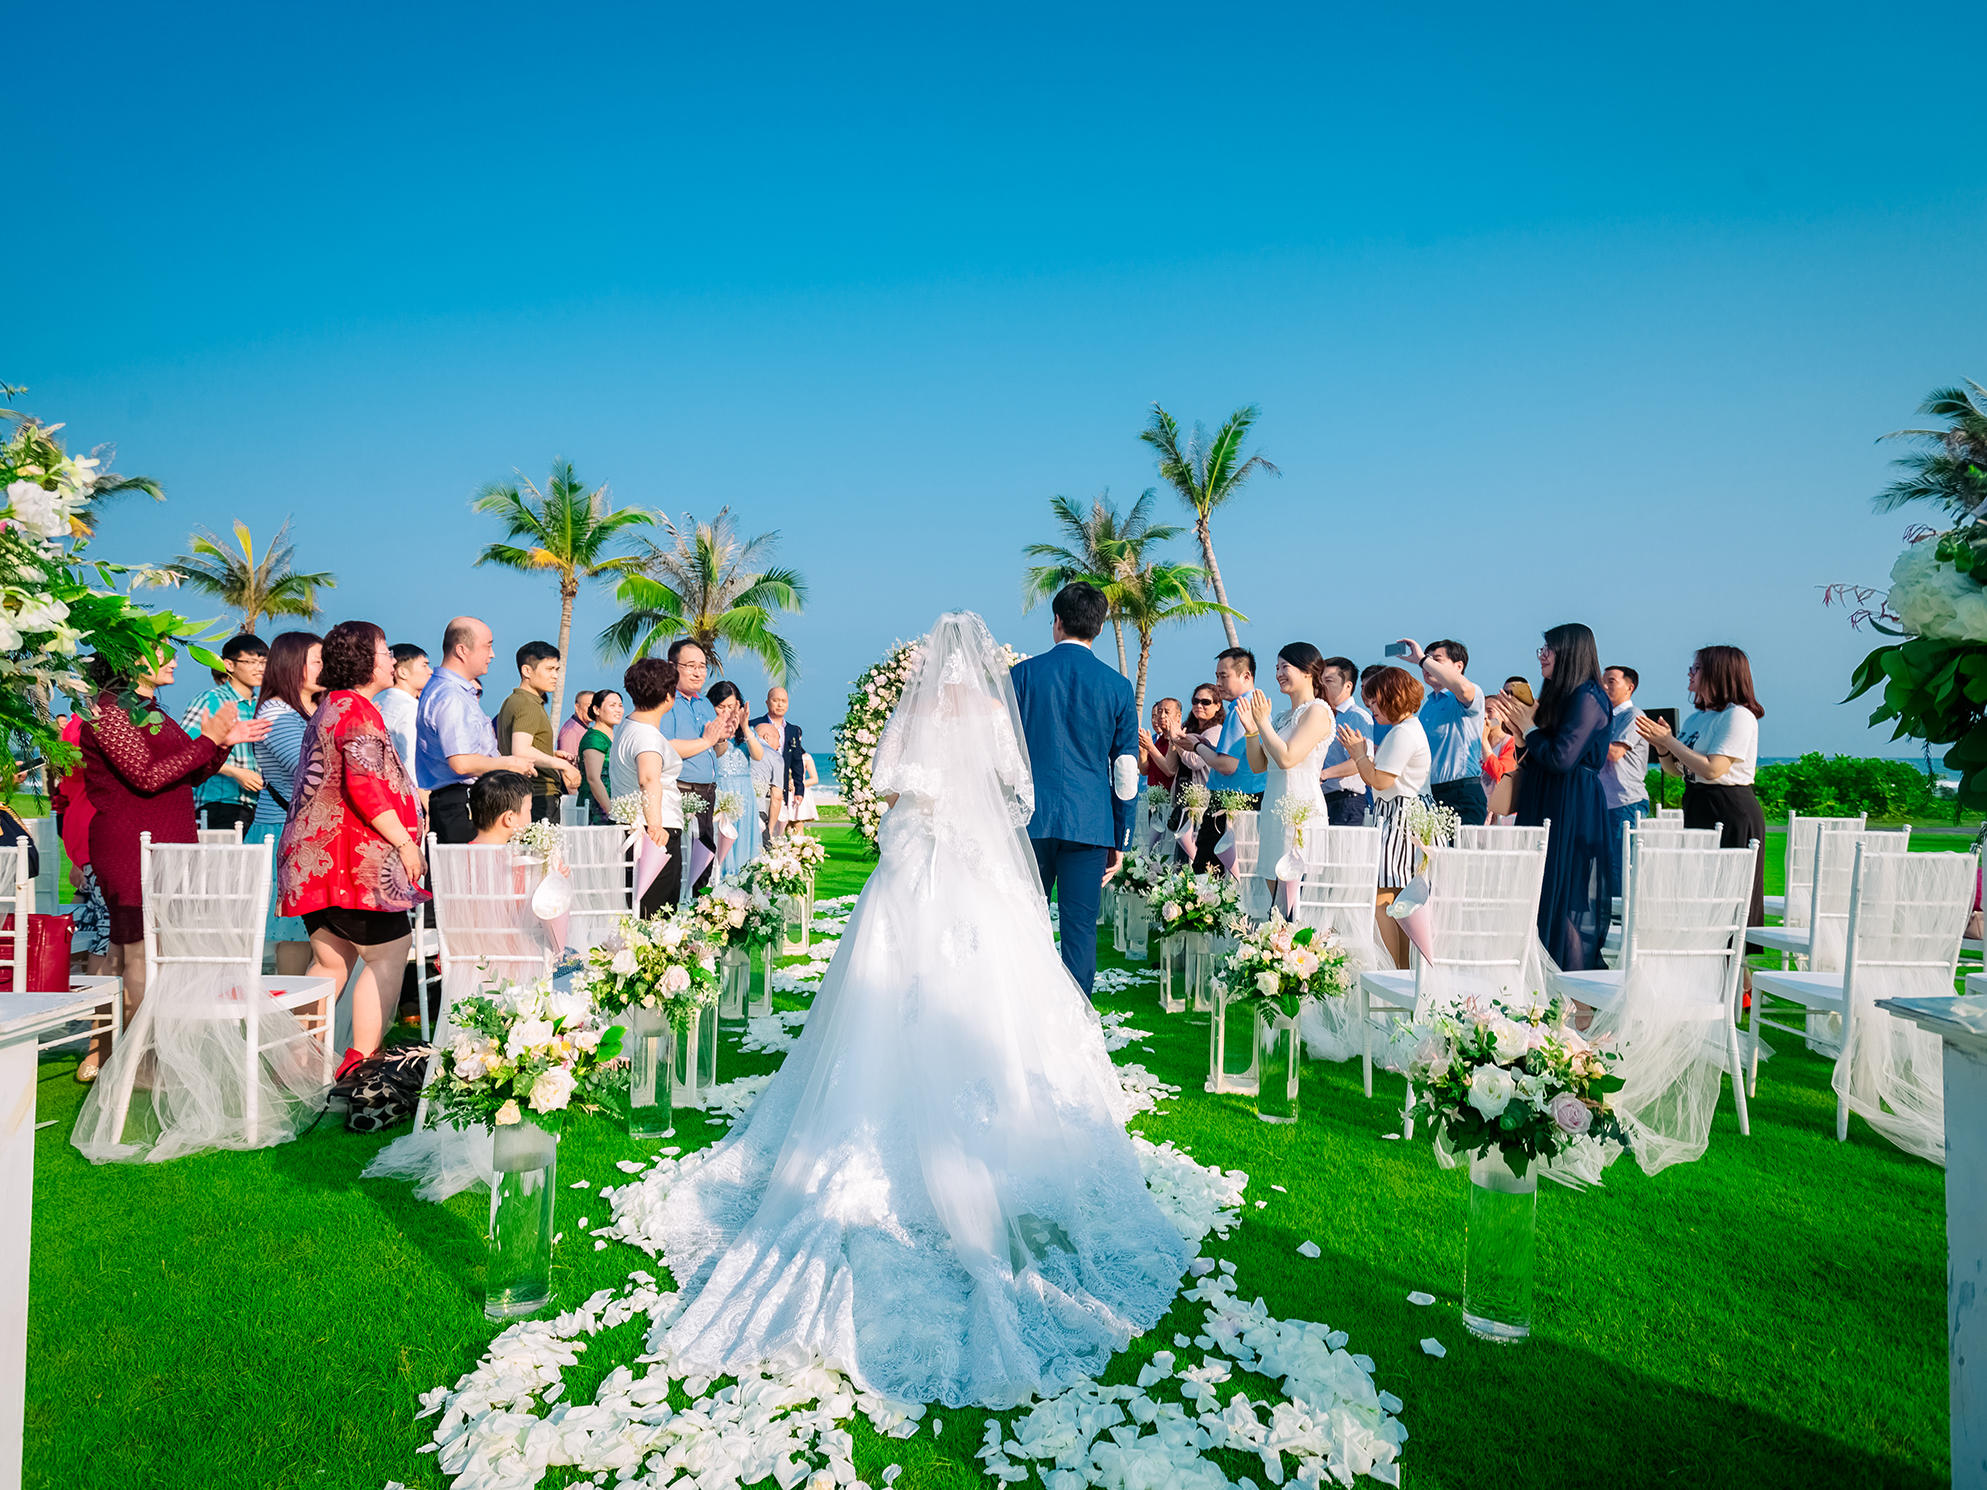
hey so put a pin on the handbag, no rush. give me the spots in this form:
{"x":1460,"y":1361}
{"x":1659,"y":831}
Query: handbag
{"x":49,"y":941}
{"x":384,"y":1089}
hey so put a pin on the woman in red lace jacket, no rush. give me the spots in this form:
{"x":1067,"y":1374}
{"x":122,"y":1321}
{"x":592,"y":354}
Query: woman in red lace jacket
{"x":139,"y":770}
{"x":349,"y":862}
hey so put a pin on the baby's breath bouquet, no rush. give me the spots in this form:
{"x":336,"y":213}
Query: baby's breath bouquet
{"x":1231,"y":801}
{"x":661,"y":963}
{"x":1185,"y":901}
{"x":1195,"y":799}
{"x":1158,"y":799}
{"x":1281,"y":965}
{"x":537,"y":839}
{"x":729,"y":804}
{"x":521,"y":1047}
{"x":626,"y":809}
{"x":1431,"y":824}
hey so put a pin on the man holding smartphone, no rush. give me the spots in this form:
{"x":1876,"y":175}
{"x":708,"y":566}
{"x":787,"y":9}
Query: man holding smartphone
{"x":1452,"y":716}
{"x":1228,"y":760}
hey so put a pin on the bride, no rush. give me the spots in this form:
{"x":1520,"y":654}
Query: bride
{"x":936,"y":1194}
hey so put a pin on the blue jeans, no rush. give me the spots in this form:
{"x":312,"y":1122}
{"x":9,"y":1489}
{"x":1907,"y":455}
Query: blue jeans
{"x":1073,"y":876}
{"x":1616,"y":817}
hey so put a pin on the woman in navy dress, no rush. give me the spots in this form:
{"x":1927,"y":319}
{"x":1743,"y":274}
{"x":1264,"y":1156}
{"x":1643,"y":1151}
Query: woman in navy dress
{"x":1566,"y":748}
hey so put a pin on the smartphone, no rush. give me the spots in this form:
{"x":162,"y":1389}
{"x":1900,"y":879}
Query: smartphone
{"x":1397,"y":649}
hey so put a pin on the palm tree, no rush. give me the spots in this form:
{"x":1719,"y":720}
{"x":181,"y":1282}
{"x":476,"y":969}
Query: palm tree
{"x":268,"y":585}
{"x":1205,"y":474}
{"x":1953,"y":471}
{"x":709,"y":586}
{"x":1156,"y":593}
{"x":565,"y":529}
{"x":1101,"y":547}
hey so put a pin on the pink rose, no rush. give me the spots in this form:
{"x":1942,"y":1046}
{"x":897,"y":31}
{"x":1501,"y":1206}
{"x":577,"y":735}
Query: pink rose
{"x":1570,"y":1114}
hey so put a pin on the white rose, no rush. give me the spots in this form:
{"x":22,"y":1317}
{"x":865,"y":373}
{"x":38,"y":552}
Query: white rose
{"x":737,"y":916}
{"x":624,"y":962}
{"x":469,"y":1065}
{"x":1490,"y":1090}
{"x":671,"y":935}
{"x":587,"y":1039}
{"x":508,"y":1114}
{"x":1269,"y":984}
{"x":552,"y":1090}
{"x":675,"y":980}
{"x":525,"y":1034}
{"x":1170,"y":910}
{"x":1511,"y":1039}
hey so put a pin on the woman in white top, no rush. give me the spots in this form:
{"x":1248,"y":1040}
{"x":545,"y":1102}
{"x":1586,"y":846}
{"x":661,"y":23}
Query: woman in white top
{"x":1397,"y":772}
{"x":645,"y":760}
{"x":1291,"y":750}
{"x":1717,"y":750}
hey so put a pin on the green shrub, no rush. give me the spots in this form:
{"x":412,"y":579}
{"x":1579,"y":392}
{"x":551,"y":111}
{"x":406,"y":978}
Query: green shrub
{"x":1841,"y":786}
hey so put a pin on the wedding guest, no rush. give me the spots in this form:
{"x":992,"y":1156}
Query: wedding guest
{"x":1346,"y":796}
{"x":454,"y":739}
{"x":525,"y":729}
{"x":800,"y":805}
{"x":291,"y":690}
{"x":687,"y":718}
{"x":646,"y":761}
{"x":1290,"y":750}
{"x":1625,"y":783}
{"x":1202,"y":725}
{"x":1520,"y":689}
{"x":1397,"y":771}
{"x":500,"y":806}
{"x":71,"y":802}
{"x":1154,"y":745}
{"x":1566,"y":749}
{"x":1500,"y":754}
{"x":1452,"y":717}
{"x":1366,"y":675}
{"x":786,"y":776}
{"x":574,"y":729}
{"x":227,"y":798}
{"x":350,"y":862}
{"x":399,"y":705}
{"x":737,"y":752}
{"x":1717,"y":751}
{"x":139,"y":770}
{"x":603,"y":714}
{"x":1227,"y":761}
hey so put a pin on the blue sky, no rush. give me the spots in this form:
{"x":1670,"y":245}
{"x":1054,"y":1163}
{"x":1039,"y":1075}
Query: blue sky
{"x":1561,"y":315}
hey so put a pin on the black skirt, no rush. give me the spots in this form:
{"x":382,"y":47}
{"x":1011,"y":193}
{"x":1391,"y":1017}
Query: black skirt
{"x":1736,"y":810}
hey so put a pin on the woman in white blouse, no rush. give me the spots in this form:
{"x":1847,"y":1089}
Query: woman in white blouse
{"x":1717,"y":750}
{"x":644,"y":757}
{"x":1397,"y":771}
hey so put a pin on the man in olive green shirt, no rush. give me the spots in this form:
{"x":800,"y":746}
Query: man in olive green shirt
{"x":525,"y":729}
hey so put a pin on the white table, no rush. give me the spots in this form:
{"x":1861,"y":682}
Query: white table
{"x":24,"y":1018}
{"x":1961,"y":1023}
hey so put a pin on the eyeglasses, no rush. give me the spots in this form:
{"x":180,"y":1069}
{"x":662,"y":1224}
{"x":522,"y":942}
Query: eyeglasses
{"x":1544,"y":652}
{"x":1693,"y":670}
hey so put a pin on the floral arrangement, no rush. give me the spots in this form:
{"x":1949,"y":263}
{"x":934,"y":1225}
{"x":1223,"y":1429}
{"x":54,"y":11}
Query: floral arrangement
{"x":1298,"y":813}
{"x":729,"y":804}
{"x":521,"y":1047}
{"x":1158,"y":799}
{"x":537,"y":839}
{"x":1139,"y":871}
{"x":1281,"y":965}
{"x":660,"y":963}
{"x":626,"y":809}
{"x":872,"y":700}
{"x":1195,"y":799}
{"x":1430,"y":824}
{"x":809,"y":850}
{"x":732,"y":914}
{"x":1185,"y":901}
{"x":779,"y":872}
{"x":1514,"y":1076}
{"x":54,"y":603}
{"x":1231,"y":801}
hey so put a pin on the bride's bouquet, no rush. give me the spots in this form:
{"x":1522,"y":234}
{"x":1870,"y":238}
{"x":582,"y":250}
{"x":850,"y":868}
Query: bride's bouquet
{"x":654,"y":964}
{"x":1281,"y":965}
{"x":521,"y":1047}
{"x":1185,"y":901}
{"x":1512,"y":1076}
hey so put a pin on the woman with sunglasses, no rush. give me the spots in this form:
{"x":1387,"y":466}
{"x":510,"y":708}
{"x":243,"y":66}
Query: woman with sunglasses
{"x":1201,"y":726}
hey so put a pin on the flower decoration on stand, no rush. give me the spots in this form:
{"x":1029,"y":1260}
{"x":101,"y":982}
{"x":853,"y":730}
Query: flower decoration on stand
{"x":1514,"y":1077}
{"x":1431,"y":824}
{"x":660,"y":963}
{"x":1280,"y":965}
{"x":537,"y":839}
{"x":521,"y":1051}
{"x":872,"y":700}
{"x":1185,"y":901}
{"x":1195,"y":799}
{"x":1228,"y":802}
{"x":1138,"y":872}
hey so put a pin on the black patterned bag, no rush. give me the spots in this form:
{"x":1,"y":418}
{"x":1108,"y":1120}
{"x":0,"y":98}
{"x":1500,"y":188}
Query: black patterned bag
{"x":384,"y":1089}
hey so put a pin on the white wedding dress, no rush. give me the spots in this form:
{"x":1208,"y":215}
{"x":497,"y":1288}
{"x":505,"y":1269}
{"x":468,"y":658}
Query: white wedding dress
{"x":936,"y":1195}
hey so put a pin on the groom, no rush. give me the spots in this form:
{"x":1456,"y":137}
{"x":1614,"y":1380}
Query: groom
{"x":1081,"y":723}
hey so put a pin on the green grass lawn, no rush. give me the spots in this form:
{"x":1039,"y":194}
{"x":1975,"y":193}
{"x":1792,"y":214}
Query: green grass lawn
{"x":1773,"y":1315}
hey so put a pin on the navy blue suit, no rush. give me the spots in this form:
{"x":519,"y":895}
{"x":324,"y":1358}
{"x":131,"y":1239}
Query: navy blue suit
{"x":1079,"y":716}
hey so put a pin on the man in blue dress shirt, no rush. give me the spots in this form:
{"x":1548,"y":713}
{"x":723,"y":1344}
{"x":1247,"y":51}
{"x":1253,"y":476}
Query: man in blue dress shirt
{"x":1228,"y":758}
{"x":1080,"y":719}
{"x":687,"y":718}
{"x":1452,"y":715}
{"x":1346,"y":795}
{"x":454,"y":740}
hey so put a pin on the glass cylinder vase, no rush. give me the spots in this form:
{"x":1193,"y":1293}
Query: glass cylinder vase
{"x":1138,"y":931}
{"x":1499,"y":1247}
{"x":1173,"y":973}
{"x":651,"y":1052}
{"x":1233,"y":1064}
{"x":793,"y":941}
{"x":518,"y":1280}
{"x":734,"y":984}
{"x":696,"y":1066}
{"x":1106,"y":906}
{"x":1200,"y":971}
{"x":759,"y":995}
{"x":1276,"y":1075}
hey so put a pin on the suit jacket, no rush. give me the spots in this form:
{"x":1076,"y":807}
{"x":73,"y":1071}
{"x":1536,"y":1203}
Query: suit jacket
{"x":1081,"y":722}
{"x":793,"y":774}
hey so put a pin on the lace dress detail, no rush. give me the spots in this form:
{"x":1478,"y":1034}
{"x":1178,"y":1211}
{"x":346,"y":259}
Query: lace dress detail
{"x":936,"y":1194}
